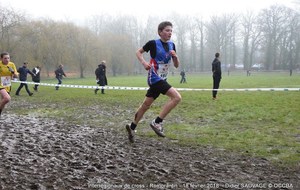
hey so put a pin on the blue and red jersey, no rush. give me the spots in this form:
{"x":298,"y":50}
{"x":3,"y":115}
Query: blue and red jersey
{"x":160,"y":60}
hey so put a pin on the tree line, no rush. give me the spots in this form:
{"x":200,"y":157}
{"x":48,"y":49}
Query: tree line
{"x":269,"y":38}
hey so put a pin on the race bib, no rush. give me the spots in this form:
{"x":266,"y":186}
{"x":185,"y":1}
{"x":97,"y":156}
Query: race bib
{"x":163,"y":70}
{"x":6,"y":81}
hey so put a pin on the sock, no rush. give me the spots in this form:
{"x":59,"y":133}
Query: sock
{"x":158,"y":120}
{"x":133,"y":126}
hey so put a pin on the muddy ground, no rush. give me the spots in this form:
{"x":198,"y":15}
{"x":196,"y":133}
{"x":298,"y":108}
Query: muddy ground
{"x":40,"y":153}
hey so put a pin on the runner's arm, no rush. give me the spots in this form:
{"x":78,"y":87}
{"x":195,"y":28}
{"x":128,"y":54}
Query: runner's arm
{"x":175,"y":58}
{"x":139,"y":55}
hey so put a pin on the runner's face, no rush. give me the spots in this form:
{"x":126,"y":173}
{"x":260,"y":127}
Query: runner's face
{"x":5,"y":59}
{"x":166,"y":34}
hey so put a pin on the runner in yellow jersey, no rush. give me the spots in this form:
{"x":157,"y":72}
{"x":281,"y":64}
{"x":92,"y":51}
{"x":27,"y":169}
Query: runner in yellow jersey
{"x":8,"y":71}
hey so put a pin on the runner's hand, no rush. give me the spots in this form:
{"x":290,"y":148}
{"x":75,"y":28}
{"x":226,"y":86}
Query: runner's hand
{"x":11,"y":70}
{"x":173,"y":54}
{"x":147,"y":66}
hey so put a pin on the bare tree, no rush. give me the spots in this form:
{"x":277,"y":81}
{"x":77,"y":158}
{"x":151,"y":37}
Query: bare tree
{"x":221,"y":33}
{"x":273,"y":25}
{"x":289,"y":40}
{"x":200,"y":27}
{"x":98,"y":23}
{"x":251,"y":36}
{"x":193,"y":36}
{"x":9,"y":20}
{"x":181,"y":31}
{"x":80,"y":42}
{"x":270,"y":37}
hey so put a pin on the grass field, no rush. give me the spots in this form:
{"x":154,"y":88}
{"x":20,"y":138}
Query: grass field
{"x":260,"y":124}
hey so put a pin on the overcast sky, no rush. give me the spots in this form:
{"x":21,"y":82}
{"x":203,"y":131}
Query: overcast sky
{"x":79,"y":10}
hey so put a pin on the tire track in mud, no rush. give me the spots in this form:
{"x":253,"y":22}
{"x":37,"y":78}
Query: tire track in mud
{"x":38,"y":153}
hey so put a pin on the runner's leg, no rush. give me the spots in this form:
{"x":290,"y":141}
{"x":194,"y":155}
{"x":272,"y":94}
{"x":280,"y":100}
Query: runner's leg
{"x":175,"y":98}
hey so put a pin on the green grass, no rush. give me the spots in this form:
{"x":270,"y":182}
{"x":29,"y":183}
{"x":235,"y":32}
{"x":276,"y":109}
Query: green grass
{"x":260,"y":124}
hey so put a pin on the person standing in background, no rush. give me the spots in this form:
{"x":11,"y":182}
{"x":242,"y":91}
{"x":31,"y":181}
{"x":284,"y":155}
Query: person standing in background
{"x":183,"y":79}
{"x":59,"y":73}
{"x":101,"y":79}
{"x":217,"y":75}
{"x":8,"y":71}
{"x":248,"y":72}
{"x":36,"y":77}
{"x":23,"y":71}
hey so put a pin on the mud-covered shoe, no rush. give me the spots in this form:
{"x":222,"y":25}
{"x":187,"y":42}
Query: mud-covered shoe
{"x":157,"y":128}
{"x":131,"y":133}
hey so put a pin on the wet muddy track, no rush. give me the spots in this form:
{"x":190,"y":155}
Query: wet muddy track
{"x":39,"y":153}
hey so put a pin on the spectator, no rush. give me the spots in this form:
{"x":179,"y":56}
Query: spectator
{"x":217,"y":75}
{"x":59,"y":73}
{"x":36,"y":77}
{"x":183,"y":79}
{"x":23,"y":71}
{"x":101,"y":79}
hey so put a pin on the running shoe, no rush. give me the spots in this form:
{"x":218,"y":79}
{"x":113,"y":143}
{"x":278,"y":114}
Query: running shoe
{"x":157,"y":128}
{"x":131,"y":133}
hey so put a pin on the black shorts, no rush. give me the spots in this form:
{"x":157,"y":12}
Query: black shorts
{"x":158,"y":88}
